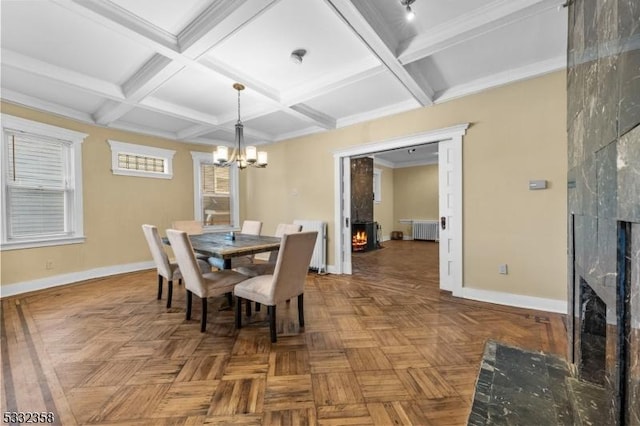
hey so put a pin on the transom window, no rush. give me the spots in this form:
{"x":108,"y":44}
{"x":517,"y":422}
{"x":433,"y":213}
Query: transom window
{"x":141,"y":160}
{"x":42,"y":184}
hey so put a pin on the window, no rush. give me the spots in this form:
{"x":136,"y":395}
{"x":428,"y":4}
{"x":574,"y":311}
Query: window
{"x":140,"y":160}
{"x":377,"y":186}
{"x":216,"y":193}
{"x":41,"y":184}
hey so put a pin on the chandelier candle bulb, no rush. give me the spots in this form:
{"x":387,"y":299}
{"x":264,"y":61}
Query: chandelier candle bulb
{"x":262,"y":158}
{"x":223,"y":153}
{"x":251,"y":154}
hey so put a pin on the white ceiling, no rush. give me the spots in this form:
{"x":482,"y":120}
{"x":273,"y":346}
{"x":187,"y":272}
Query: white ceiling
{"x":166,"y":67}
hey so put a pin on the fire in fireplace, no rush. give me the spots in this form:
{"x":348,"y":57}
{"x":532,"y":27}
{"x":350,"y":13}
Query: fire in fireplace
{"x":364,"y":236}
{"x":359,"y":241}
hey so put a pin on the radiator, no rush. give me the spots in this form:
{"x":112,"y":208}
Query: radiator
{"x":425,"y":230}
{"x":319,"y":257}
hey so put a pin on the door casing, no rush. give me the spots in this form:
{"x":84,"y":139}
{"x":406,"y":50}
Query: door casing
{"x":342,"y":204}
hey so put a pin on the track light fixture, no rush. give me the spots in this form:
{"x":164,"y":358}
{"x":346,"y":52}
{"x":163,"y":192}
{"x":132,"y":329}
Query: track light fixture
{"x":410,"y":14}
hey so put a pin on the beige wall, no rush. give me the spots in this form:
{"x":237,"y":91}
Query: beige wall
{"x":114,"y":206}
{"x":517,"y":133}
{"x":416,"y":195}
{"x":383,"y":211}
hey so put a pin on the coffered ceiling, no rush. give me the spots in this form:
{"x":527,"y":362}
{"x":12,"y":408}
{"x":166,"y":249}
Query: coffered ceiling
{"x":166,"y":67}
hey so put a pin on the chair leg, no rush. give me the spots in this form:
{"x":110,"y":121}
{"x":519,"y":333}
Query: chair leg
{"x":229,"y":298}
{"x":257,"y":307}
{"x":169,"y":292}
{"x":301,"y":309}
{"x":272,"y":322}
{"x":248,"y":308}
{"x":189,"y":297}
{"x":238,"y":313}
{"x":159,"y":287}
{"x":203,"y":320}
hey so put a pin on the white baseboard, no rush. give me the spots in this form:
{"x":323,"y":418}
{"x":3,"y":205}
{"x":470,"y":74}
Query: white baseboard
{"x":58,"y":280}
{"x":516,"y":300}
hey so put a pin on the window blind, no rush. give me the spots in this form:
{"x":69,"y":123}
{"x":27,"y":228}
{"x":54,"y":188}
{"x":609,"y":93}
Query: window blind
{"x":216,"y":198}
{"x":37,"y":185}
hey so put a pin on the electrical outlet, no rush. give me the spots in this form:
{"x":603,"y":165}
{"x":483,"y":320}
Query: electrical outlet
{"x":502,"y":268}
{"x":48,"y":264}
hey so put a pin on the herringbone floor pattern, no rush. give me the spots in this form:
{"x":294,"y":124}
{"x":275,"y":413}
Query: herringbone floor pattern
{"x":383,"y":347}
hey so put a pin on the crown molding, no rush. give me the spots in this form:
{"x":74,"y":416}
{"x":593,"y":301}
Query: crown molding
{"x":48,"y":107}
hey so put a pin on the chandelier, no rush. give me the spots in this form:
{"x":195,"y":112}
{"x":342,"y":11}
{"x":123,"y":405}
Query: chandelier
{"x":243,"y":158}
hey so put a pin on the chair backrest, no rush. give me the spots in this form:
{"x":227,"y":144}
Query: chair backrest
{"x":157,"y":251}
{"x":281,"y":229}
{"x":292,"y":265}
{"x":251,"y":227}
{"x":191,"y":227}
{"x":287,"y":228}
{"x":186,"y":258}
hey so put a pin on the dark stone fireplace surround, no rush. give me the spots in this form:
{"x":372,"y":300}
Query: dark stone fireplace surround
{"x":603,"y":123}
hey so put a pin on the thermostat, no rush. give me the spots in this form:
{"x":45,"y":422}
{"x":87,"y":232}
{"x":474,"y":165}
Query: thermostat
{"x":537,"y":184}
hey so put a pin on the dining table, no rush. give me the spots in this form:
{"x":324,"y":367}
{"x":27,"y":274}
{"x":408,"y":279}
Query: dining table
{"x":226,"y":246}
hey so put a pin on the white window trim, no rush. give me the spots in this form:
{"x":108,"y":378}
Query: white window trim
{"x":377,"y":186}
{"x":198,"y":158}
{"x":118,"y":147}
{"x":12,"y":123}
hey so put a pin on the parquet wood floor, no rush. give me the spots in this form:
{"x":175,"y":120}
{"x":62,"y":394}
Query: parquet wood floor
{"x":384,"y":346}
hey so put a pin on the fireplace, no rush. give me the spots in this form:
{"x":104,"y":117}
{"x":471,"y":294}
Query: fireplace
{"x":364,"y":236}
{"x":606,"y":309}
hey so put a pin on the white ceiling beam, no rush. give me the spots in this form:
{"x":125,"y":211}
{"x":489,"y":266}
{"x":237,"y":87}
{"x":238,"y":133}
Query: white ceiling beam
{"x":144,"y":82}
{"x":350,"y":14}
{"x":221,"y":19}
{"x":62,"y":75}
{"x":311,"y":115}
{"x":111,"y":111}
{"x":486,"y":18}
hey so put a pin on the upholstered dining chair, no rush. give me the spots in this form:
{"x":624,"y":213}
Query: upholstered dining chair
{"x":287,"y":281}
{"x":249,"y":227}
{"x":191,"y":227}
{"x":268,"y":267}
{"x":211,"y":284}
{"x":166,"y":269}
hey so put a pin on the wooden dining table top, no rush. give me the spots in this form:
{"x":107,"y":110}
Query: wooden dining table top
{"x":217,"y":244}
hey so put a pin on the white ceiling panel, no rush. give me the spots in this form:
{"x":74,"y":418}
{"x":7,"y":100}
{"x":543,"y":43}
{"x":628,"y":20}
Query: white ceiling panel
{"x":209,"y":93}
{"x":366,"y":95}
{"x":170,"y":15}
{"x":277,"y":123}
{"x":262,"y":49}
{"x":52,"y":34}
{"x":486,"y":55}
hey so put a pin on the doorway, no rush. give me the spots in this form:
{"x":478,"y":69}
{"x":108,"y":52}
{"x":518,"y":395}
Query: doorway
{"x":450,"y":190}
